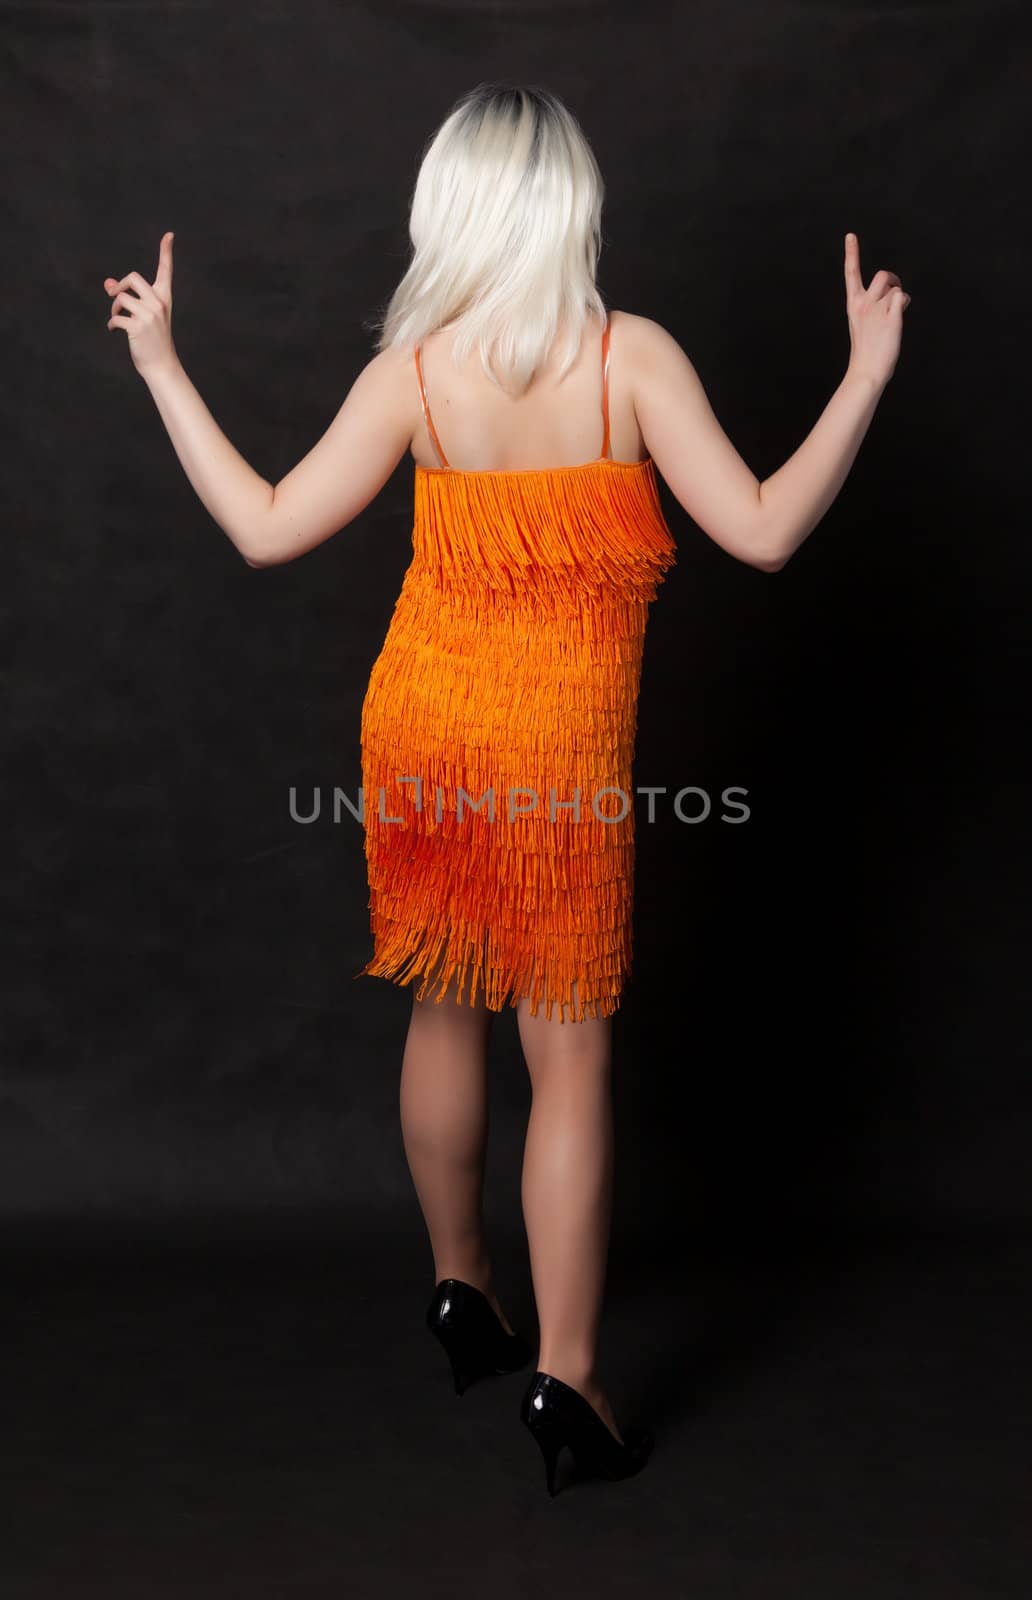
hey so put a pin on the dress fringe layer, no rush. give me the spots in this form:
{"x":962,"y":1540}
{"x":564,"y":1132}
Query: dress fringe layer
{"x":511,"y":669}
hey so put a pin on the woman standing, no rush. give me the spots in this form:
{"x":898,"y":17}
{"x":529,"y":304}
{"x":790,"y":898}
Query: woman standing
{"x":499,"y":722}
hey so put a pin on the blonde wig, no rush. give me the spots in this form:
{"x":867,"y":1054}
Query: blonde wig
{"x":505,"y":224}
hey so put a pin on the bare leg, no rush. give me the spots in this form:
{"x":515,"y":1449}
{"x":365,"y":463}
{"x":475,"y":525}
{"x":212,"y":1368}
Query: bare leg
{"x":567,"y":1190}
{"x":444,"y":1122}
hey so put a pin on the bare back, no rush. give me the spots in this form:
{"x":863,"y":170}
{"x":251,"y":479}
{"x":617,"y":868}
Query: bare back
{"x":554,"y":424}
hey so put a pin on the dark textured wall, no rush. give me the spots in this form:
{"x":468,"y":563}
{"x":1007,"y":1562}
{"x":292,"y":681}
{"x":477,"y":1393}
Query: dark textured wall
{"x":827,"y":1017}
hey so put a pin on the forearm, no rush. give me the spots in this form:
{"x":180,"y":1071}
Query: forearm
{"x":237,"y":497}
{"x":796,"y":497}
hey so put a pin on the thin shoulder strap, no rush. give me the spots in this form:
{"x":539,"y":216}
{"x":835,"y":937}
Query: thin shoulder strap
{"x":605,"y":389}
{"x":426,"y":410}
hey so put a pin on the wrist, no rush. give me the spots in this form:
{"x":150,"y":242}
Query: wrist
{"x":862,"y":378}
{"x":162,"y":373}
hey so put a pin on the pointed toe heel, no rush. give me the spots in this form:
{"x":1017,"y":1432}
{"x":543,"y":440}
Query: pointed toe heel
{"x":557,"y":1415}
{"x":466,"y":1325}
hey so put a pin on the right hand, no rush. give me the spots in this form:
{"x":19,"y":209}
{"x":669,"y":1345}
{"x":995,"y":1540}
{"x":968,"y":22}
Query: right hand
{"x":875,"y":318}
{"x":146,"y":313}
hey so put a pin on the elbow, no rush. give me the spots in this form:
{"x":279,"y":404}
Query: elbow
{"x":768,"y":541}
{"x":764,"y":558}
{"x":770,"y":553}
{"x":257,"y":532}
{"x":254,"y":558}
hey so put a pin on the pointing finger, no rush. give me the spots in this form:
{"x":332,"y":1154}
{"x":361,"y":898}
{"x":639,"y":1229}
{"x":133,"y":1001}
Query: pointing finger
{"x":854,"y":282}
{"x":164,"y":275}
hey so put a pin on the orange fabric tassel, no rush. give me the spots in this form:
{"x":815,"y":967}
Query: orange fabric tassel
{"x":512,"y":663}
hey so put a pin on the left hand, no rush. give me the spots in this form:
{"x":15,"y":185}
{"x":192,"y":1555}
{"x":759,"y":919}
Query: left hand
{"x":875,"y":316}
{"x":148,"y":312}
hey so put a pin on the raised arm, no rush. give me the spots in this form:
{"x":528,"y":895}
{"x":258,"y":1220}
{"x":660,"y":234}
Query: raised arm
{"x":764,"y":523}
{"x":269,"y":524}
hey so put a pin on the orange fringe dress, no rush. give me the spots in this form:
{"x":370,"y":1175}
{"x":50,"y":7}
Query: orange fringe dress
{"x":498,"y":731}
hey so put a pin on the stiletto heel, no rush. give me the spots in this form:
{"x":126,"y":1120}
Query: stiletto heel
{"x":466,"y":1324}
{"x":558,"y":1415}
{"x":550,"y":1444}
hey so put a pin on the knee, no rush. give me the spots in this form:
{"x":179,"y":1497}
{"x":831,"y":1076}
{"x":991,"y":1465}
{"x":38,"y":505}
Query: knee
{"x":562,"y":1048}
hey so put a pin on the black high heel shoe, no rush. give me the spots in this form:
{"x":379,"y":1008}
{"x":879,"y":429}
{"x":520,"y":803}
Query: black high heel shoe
{"x":466,"y":1324}
{"x":558,"y":1415}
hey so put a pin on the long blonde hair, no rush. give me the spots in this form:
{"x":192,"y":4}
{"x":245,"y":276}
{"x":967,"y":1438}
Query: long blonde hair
{"x":505,"y":224}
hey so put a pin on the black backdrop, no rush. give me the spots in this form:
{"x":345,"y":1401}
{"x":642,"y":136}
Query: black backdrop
{"x":825,"y":1025}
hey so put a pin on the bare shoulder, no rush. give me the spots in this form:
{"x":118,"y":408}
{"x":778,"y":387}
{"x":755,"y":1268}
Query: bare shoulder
{"x":386,"y":389}
{"x":645,"y":341}
{"x":630,"y":325}
{"x":389,"y":368}
{"x":653,"y":366}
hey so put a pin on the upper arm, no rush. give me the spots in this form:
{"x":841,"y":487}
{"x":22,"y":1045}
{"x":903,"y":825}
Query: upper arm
{"x":691,"y":450}
{"x":347,"y":467}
